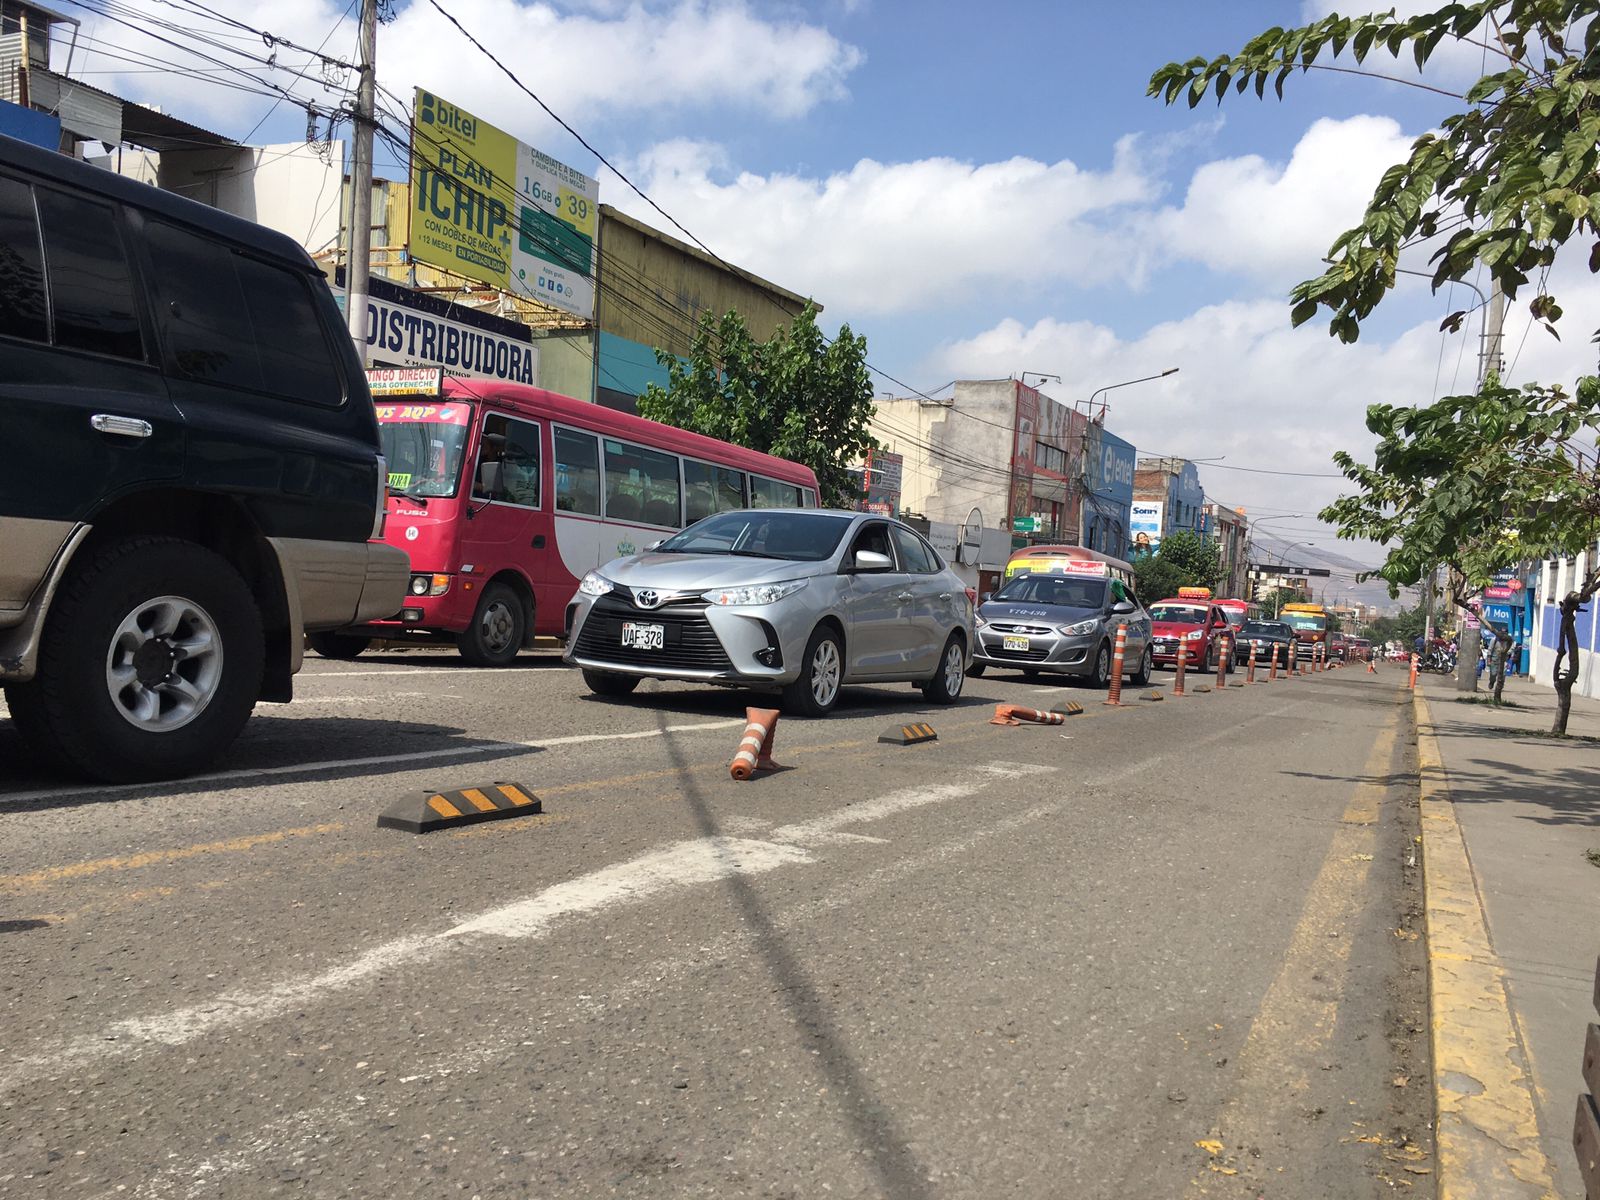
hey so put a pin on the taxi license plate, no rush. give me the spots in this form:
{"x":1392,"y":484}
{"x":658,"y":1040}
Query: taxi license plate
{"x":1011,"y":642}
{"x":643,"y":637}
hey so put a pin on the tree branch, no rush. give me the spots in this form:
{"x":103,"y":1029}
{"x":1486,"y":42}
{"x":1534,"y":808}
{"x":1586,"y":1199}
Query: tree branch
{"x":1426,"y":87}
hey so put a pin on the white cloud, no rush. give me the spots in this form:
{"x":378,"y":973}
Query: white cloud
{"x":602,"y":60}
{"x":1251,"y":216}
{"x":889,"y":237}
{"x":1262,"y":394}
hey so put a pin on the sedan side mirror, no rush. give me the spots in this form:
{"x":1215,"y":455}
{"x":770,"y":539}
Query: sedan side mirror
{"x":988,"y":596}
{"x":871,"y":560}
{"x":1122,"y":607}
{"x":655,"y":545}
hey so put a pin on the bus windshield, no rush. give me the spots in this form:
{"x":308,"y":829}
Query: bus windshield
{"x":1304,"y":622}
{"x":423,"y":444}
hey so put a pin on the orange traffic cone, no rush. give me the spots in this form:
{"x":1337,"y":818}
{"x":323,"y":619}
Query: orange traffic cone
{"x":1016,"y":714}
{"x":755,"y":748}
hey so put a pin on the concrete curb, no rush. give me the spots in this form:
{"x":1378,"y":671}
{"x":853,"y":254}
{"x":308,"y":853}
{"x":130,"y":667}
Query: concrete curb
{"x":1487,"y":1133}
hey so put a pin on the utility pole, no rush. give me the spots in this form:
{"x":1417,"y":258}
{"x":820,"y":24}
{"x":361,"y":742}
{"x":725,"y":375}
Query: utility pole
{"x":358,"y":267}
{"x":1489,"y":354}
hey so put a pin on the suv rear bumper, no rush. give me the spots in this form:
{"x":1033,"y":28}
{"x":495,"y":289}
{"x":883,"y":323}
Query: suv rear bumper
{"x":19,"y":642}
{"x":337,"y":584}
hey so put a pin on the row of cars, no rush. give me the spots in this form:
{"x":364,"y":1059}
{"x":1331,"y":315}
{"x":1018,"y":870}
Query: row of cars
{"x":805,"y":601}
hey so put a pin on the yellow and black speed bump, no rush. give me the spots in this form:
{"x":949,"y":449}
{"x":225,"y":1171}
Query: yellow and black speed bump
{"x":1202,"y":688}
{"x":425,"y":811}
{"x":908,"y":735}
{"x":1154,"y":696}
{"x":1070,"y":709}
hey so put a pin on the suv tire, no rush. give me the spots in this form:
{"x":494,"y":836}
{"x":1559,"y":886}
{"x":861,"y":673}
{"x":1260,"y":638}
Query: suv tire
{"x":150,"y":663}
{"x":495,"y":634}
{"x":816,"y":691}
{"x":609,"y":683}
{"x":945,"y":686}
{"x":341,"y":646}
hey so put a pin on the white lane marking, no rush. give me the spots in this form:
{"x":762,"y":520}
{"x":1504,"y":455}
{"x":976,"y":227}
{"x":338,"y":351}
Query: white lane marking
{"x":578,"y":739}
{"x":250,"y":773}
{"x":684,"y":864}
{"x":678,"y":866}
{"x":304,"y":675}
{"x":385,"y":698}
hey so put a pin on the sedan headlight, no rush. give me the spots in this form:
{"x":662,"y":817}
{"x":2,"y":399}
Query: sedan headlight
{"x":1195,"y":635}
{"x":1088,"y":626}
{"x":978,"y":621}
{"x":756,"y":593}
{"x":595,"y":584}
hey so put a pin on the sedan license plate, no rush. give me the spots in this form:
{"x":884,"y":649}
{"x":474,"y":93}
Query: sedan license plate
{"x":643,"y":637}
{"x":1013,"y":642}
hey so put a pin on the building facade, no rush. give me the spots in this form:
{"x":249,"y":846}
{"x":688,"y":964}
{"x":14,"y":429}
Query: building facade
{"x":1108,"y":467}
{"x":1231,"y":531}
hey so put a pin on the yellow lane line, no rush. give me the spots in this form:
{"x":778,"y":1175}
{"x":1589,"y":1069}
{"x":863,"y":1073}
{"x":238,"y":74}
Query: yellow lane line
{"x":1296,"y":1020}
{"x":133,"y":862}
{"x":1487,"y":1133}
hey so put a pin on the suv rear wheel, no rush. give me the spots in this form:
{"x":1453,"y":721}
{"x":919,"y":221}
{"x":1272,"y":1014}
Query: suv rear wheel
{"x":150,"y":663}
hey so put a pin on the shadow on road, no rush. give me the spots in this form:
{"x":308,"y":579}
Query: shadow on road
{"x":873,"y":1126}
{"x":891,"y":699}
{"x":271,"y":749}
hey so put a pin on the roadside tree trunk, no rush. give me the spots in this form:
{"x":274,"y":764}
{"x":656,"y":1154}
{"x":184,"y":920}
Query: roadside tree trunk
{"x":1566,"y":653}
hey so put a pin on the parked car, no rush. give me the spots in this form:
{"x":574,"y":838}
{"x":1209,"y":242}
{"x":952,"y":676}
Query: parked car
{"x":1338,"y":646}
{"x":1190,"y":620}
{"x":799,"y":600}
{"x":194,"y":473}
{"x":1273,"y":640}
{"x":1063,"y":623}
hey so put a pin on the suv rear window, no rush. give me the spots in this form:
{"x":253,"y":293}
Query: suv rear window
{"x":91,"y":285}
{"x":22,"y":307}
{"x":238,"y":322}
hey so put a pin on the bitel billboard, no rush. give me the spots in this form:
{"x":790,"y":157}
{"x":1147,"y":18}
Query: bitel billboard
{"x":488,"y":207}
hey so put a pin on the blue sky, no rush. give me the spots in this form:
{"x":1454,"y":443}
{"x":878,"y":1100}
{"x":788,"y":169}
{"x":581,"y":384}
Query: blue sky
{"x":984,"y":191}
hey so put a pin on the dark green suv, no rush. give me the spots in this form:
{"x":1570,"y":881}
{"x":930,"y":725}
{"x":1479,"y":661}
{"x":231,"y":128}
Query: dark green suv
{"x":191,"y":469}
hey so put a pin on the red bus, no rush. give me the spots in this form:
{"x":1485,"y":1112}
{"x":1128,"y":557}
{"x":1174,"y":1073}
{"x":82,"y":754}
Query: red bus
{"x":505,"y":496}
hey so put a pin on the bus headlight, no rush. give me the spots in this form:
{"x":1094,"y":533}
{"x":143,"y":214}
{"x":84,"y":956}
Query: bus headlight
{"x":430,"y":585}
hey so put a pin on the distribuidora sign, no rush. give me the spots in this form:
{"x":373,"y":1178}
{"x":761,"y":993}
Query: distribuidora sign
{"x":488,"y":207}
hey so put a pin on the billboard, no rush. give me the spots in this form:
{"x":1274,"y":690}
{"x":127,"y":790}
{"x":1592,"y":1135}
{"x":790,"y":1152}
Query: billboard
{"x":880,"y":480}
{"x":1144,"y":527}
{"x":485,"y":206}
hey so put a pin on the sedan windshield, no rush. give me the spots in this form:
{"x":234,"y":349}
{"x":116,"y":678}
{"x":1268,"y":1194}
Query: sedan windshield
{"x":423,"y":443}
{"x":1272,"y":629}
{"x":1062,"y":590}
{"x":799,"y":537}
{"x":1179,"y":614}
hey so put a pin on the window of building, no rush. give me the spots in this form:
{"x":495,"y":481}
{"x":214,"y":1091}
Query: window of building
{"x":23,"y":313}
{"x":641,"y":485}
{"x":577,"y":472}
{"x":508,"y":462}
{"x":710,"y":489}
{"x":91,"y":285}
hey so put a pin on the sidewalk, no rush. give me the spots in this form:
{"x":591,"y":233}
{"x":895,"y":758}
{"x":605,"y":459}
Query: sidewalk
{"x":1528,"y":810}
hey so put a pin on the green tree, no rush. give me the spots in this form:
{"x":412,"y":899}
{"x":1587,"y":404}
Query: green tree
{"x":1505,"y":183}
{"x":796,"y":395}
{"x":1477,"y":483}
{"x":1185,"y":559}
{"x":1507,"y":180}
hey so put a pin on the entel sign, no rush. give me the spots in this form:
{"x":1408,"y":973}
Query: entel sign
{"x":1116,"y":469}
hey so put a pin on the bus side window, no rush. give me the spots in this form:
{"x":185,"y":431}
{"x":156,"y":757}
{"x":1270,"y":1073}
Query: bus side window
{"x":508,"y":462}
{"x":577,"y":472}
{"x":710,"y":489}
{"x":769,"y":493}
{"x":642,"y":485}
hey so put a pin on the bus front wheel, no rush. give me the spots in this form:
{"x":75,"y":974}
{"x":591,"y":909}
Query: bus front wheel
{"x":495,"y":634}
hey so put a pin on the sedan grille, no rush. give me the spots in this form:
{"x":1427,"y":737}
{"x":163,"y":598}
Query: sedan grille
{"x":999,"y":651}
{"x":690,"y":642}
{"x":1034,"y":630}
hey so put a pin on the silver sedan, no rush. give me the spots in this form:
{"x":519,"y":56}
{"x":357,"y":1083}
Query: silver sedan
{"x":798,"y":600}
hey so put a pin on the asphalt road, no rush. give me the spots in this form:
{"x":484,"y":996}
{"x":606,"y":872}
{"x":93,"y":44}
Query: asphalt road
{"x":1165,"y":950}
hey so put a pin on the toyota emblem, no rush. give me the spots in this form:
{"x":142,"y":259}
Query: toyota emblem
{"x":648,"y":598}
